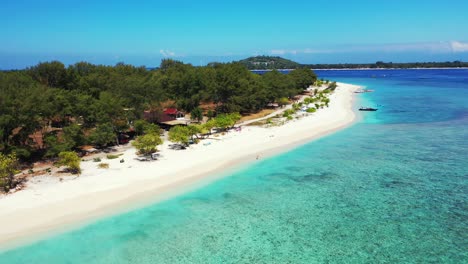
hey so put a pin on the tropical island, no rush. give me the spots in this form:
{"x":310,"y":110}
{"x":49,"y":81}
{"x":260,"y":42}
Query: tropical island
{"x":57,"y":113}
{"x":69,"y":132}
{"x":271,"y":62}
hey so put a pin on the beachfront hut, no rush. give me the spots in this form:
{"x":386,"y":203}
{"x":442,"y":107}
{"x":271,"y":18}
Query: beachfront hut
{"x":158,"y":116}
{"x":174,"y":113}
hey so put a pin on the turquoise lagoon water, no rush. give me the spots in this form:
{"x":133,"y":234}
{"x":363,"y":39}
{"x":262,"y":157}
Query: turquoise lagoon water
{"x":390,"y":189}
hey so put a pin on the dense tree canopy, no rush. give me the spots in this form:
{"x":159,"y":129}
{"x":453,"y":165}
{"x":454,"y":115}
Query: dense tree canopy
{"x":52,"y":108}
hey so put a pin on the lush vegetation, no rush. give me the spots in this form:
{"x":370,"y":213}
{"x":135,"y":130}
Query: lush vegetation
{"x":71,"y":160}
{"x":184,"y":134}
{"x":147,"y":144}
{"x":8,"y":168}
{"x":269,"y":63}
{"x":50,"y":108}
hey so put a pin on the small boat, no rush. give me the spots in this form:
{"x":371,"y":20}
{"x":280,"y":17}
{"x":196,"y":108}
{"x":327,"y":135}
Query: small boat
{"x":367,"y":109}
{"x":363,"y":91}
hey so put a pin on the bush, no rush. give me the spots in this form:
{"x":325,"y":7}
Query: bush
{"x":283,"y":101}
{"x":311,"y":110}
{"x":8,"y":169}
{"x":103,"y":165}
{"x":110,"y":156}
{"x":97,"y":159}
{"x":332,"y":86}
{"x":71,"y":160}
{"x":21,"y":153}
{"x":288,"y":112}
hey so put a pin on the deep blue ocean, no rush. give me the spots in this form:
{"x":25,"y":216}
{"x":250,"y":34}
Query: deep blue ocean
{"x":392,"y":188}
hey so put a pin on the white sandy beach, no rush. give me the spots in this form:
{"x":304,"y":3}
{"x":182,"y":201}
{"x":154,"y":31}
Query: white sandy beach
{"x":47,"y":204}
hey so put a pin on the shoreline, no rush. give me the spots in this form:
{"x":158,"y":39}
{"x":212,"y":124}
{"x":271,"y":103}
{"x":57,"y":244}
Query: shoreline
{"x":44,"y":207}
{"x":363,"y":69}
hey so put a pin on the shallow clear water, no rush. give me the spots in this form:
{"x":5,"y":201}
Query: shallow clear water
{"x":391,"y":189}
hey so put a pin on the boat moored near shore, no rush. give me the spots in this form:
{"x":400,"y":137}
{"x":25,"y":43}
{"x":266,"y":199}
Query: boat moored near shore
{"x":367,"y":109}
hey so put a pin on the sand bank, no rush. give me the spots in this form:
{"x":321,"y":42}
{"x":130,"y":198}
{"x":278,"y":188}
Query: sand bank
{"x":48,"y":205}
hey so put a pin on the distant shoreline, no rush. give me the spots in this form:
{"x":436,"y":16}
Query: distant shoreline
{"x":361,"y":69}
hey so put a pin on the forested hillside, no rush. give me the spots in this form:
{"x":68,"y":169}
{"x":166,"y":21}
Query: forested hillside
{"x":269,"y":63}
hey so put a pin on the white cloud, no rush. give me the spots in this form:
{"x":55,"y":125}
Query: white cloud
{"x":458,"y":46}
{"x":167,"y":53}
{"x":433,"y":47}
{"x":283,"y":52}
{"x":278,"y":52}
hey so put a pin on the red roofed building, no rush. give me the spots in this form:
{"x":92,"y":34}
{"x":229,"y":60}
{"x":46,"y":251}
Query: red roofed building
{"x":166,"y":115}
{"x":172,"y":112}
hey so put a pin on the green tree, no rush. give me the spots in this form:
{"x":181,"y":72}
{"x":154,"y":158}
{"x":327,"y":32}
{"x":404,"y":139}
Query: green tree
{"x":152,"y":128}
{"x":71,"y":160}
{"x":139,"y":126}
{"x":225,"y":121}
{"x":73,"y":135}
{"x":71,"y":138}
{"x":196,"y":114}
{"x":56,"y":145}
{"x":208,"y":126}
{"x":52,"y":74}
{"x":303,"y":77}
{"x":180,"y":134}
{"x":8,"y":169}
{"x":143,"y":127}
{"x":235,"y":117}
{"x":147,"y":144}
{"x":103,"y":135}
{"x":201,"y":129}
{"x":194,"y":130}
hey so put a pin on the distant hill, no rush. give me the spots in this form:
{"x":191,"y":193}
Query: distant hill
{"x":268,"y":63}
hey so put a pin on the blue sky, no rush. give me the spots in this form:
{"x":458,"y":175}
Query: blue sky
{"x":142,"y":32}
